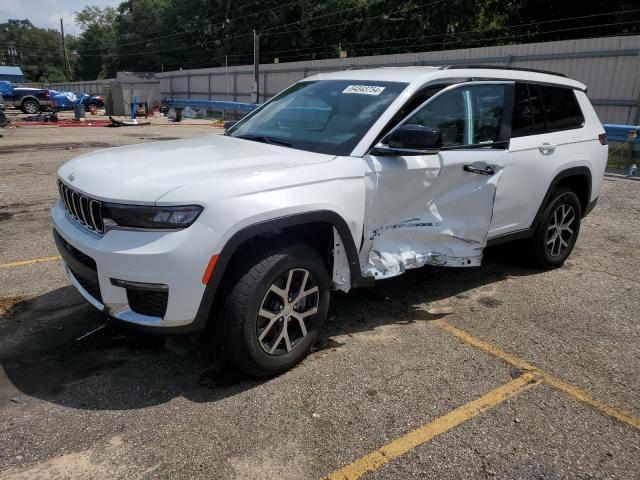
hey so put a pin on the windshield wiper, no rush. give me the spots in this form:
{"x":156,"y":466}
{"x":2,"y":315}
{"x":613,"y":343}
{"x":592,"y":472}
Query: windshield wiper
{"x":264,"y":139}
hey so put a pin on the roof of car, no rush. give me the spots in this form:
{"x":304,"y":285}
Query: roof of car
{"x":419,"y":74}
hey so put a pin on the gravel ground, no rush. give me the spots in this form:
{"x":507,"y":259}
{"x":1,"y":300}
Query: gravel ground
{"x":120,"y":406}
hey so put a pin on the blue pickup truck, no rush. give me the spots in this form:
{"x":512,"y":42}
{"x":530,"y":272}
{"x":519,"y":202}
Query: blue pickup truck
{"x":29,"y":100}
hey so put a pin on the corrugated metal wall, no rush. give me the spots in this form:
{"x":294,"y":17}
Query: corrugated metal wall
{"x":609,"y":66}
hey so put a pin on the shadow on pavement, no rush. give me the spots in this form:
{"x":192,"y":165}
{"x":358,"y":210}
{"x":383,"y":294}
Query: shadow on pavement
{"x":111,"y":370}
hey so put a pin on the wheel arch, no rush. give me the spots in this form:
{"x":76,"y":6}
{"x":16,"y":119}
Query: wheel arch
{"x":29,"y":97}
{"x":577,"y":179}
{"x":296,"y":221}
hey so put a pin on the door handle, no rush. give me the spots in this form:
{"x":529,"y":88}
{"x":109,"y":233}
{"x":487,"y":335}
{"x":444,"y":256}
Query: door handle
{"x":488,"y":170}
{"x":547,"y":148}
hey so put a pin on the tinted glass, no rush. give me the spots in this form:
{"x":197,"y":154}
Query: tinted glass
{"x":537,"y":112}
{"x":325,"y":116}
{"x":468,"y":115}
{"x":522,"y":119}
{"x":561,"y":108}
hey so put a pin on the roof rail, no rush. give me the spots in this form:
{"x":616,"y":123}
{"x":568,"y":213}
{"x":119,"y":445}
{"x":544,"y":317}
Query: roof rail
{"x":499,"y":67}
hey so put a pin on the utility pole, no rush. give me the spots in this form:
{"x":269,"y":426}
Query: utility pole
{"x":64,"y":53}
{"x":255,"y":90}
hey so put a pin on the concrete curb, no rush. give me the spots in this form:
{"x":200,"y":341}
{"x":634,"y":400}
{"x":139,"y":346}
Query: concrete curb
{"x":617,"y":175}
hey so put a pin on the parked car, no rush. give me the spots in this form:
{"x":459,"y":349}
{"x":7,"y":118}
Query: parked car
{"x":90,"y":100}
{"x":341,"y":181}
{"x":29,"y":100}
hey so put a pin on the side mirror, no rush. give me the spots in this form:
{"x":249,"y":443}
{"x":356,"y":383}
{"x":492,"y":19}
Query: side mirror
{"x":411,"y":140}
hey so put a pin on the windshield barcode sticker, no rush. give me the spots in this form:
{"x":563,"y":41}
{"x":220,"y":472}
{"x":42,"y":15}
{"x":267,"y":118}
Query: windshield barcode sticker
{"x":364,"y":89}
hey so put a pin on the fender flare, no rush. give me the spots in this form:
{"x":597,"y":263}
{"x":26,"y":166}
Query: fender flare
{"x":246,"y":233}
{"x":569,"y":172}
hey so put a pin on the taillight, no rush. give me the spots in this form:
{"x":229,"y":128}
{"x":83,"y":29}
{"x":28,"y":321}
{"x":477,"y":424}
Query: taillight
{"x":603,"y":138}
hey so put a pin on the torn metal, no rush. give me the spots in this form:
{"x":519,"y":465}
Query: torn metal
{"x":427,"y":210}
{"x":341,"y":272}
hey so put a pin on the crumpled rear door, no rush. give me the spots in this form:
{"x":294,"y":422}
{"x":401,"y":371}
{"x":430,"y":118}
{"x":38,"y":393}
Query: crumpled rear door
{"x":429,"y":210}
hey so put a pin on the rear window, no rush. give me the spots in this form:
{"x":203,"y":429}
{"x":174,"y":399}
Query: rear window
{"x":539,"y":109}
{"x":561,"y":109}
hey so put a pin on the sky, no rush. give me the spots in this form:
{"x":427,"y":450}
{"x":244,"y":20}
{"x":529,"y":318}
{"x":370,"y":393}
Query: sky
{"x":47,"y":13}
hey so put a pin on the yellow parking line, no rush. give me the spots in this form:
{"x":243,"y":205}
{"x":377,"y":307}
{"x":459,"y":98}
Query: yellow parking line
{"x":423,"y":434}
{"x":551,"y":380}
{"x":29,"y":262}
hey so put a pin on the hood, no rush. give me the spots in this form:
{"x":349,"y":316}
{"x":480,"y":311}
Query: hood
{"x":143,"y":173}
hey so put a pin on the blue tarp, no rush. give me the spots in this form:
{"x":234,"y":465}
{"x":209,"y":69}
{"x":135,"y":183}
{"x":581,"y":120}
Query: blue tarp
{"x":621,"y":133}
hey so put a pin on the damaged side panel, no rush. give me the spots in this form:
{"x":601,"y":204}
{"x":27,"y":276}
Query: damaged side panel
{"x":428,"y":210}
{"x":341,"y":272}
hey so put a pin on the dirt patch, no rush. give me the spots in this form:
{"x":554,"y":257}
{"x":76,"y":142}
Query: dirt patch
{"x":149,"y":136}
{"x":10,"y":306}
{"x":489,"y":302}
{"x":48,"y":147}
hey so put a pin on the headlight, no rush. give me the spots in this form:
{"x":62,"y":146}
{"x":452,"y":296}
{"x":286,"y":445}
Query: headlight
{"x":135,"y":216}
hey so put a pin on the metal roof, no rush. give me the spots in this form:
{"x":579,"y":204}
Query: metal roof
{"x":7,"y":70}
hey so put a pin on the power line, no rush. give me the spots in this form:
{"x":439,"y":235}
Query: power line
{"x":448,"y":34}
{"x":349,"y":23}
{"x":202,"y":44}
{"x":210,"y":21}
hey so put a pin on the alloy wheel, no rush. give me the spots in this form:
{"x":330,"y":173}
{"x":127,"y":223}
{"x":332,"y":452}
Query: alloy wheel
{"x":31,"y":107}
{"x":561,"y":230}
{"x":286,"y":310}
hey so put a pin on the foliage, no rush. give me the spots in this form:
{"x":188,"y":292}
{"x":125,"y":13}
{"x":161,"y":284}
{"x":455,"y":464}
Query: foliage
{"x":155,"y":35}
{"x":37,"y":51}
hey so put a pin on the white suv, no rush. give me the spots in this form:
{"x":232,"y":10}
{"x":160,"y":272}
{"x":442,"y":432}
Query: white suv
{"x":341,"y":180}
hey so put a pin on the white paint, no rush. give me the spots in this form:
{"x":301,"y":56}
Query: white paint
{"x":426,"y":210}
{"x":411,"y":211}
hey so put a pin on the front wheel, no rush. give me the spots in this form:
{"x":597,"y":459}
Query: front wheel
{"x":274,"y":312}
{"x":557,"y":233}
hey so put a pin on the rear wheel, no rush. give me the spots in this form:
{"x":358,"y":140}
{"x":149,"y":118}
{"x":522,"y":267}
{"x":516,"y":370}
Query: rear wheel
{"x":31,"y":107}
{"x":274,"y":312}
{"x":557,"y":233}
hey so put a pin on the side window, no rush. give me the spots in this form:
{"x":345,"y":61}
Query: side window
{"x":537,"y":112}
{"x":417,"y":100}
{"x":561,"y":108}
{"x":467,"y":115}
{"x":522,"y":119}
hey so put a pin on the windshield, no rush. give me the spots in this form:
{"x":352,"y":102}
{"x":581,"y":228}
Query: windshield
{"x":324,"y":116}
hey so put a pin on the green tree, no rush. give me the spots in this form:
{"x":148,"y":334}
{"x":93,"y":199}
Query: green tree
{"x":95,"y":48}
{"x":37,"y":51}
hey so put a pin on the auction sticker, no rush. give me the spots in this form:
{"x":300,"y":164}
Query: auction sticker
{"x":364,"y":89}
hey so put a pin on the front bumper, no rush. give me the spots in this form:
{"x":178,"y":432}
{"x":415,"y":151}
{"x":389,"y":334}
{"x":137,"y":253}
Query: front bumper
{"x":101,"y":267}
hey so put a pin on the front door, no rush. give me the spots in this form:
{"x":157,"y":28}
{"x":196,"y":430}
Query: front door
{"x":436,"y":209}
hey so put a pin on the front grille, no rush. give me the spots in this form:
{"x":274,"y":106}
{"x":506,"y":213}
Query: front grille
{"x":146,"y":302}
{"x":83,"y":258}
{"x":92,"y":288}
{"x":84,"y":210}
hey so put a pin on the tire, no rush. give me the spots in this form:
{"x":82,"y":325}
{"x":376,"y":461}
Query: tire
{"x":255,"y":310}
{"x":30,"y":107}
{"x":87,"y":108}
{"x":558,"y":230}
